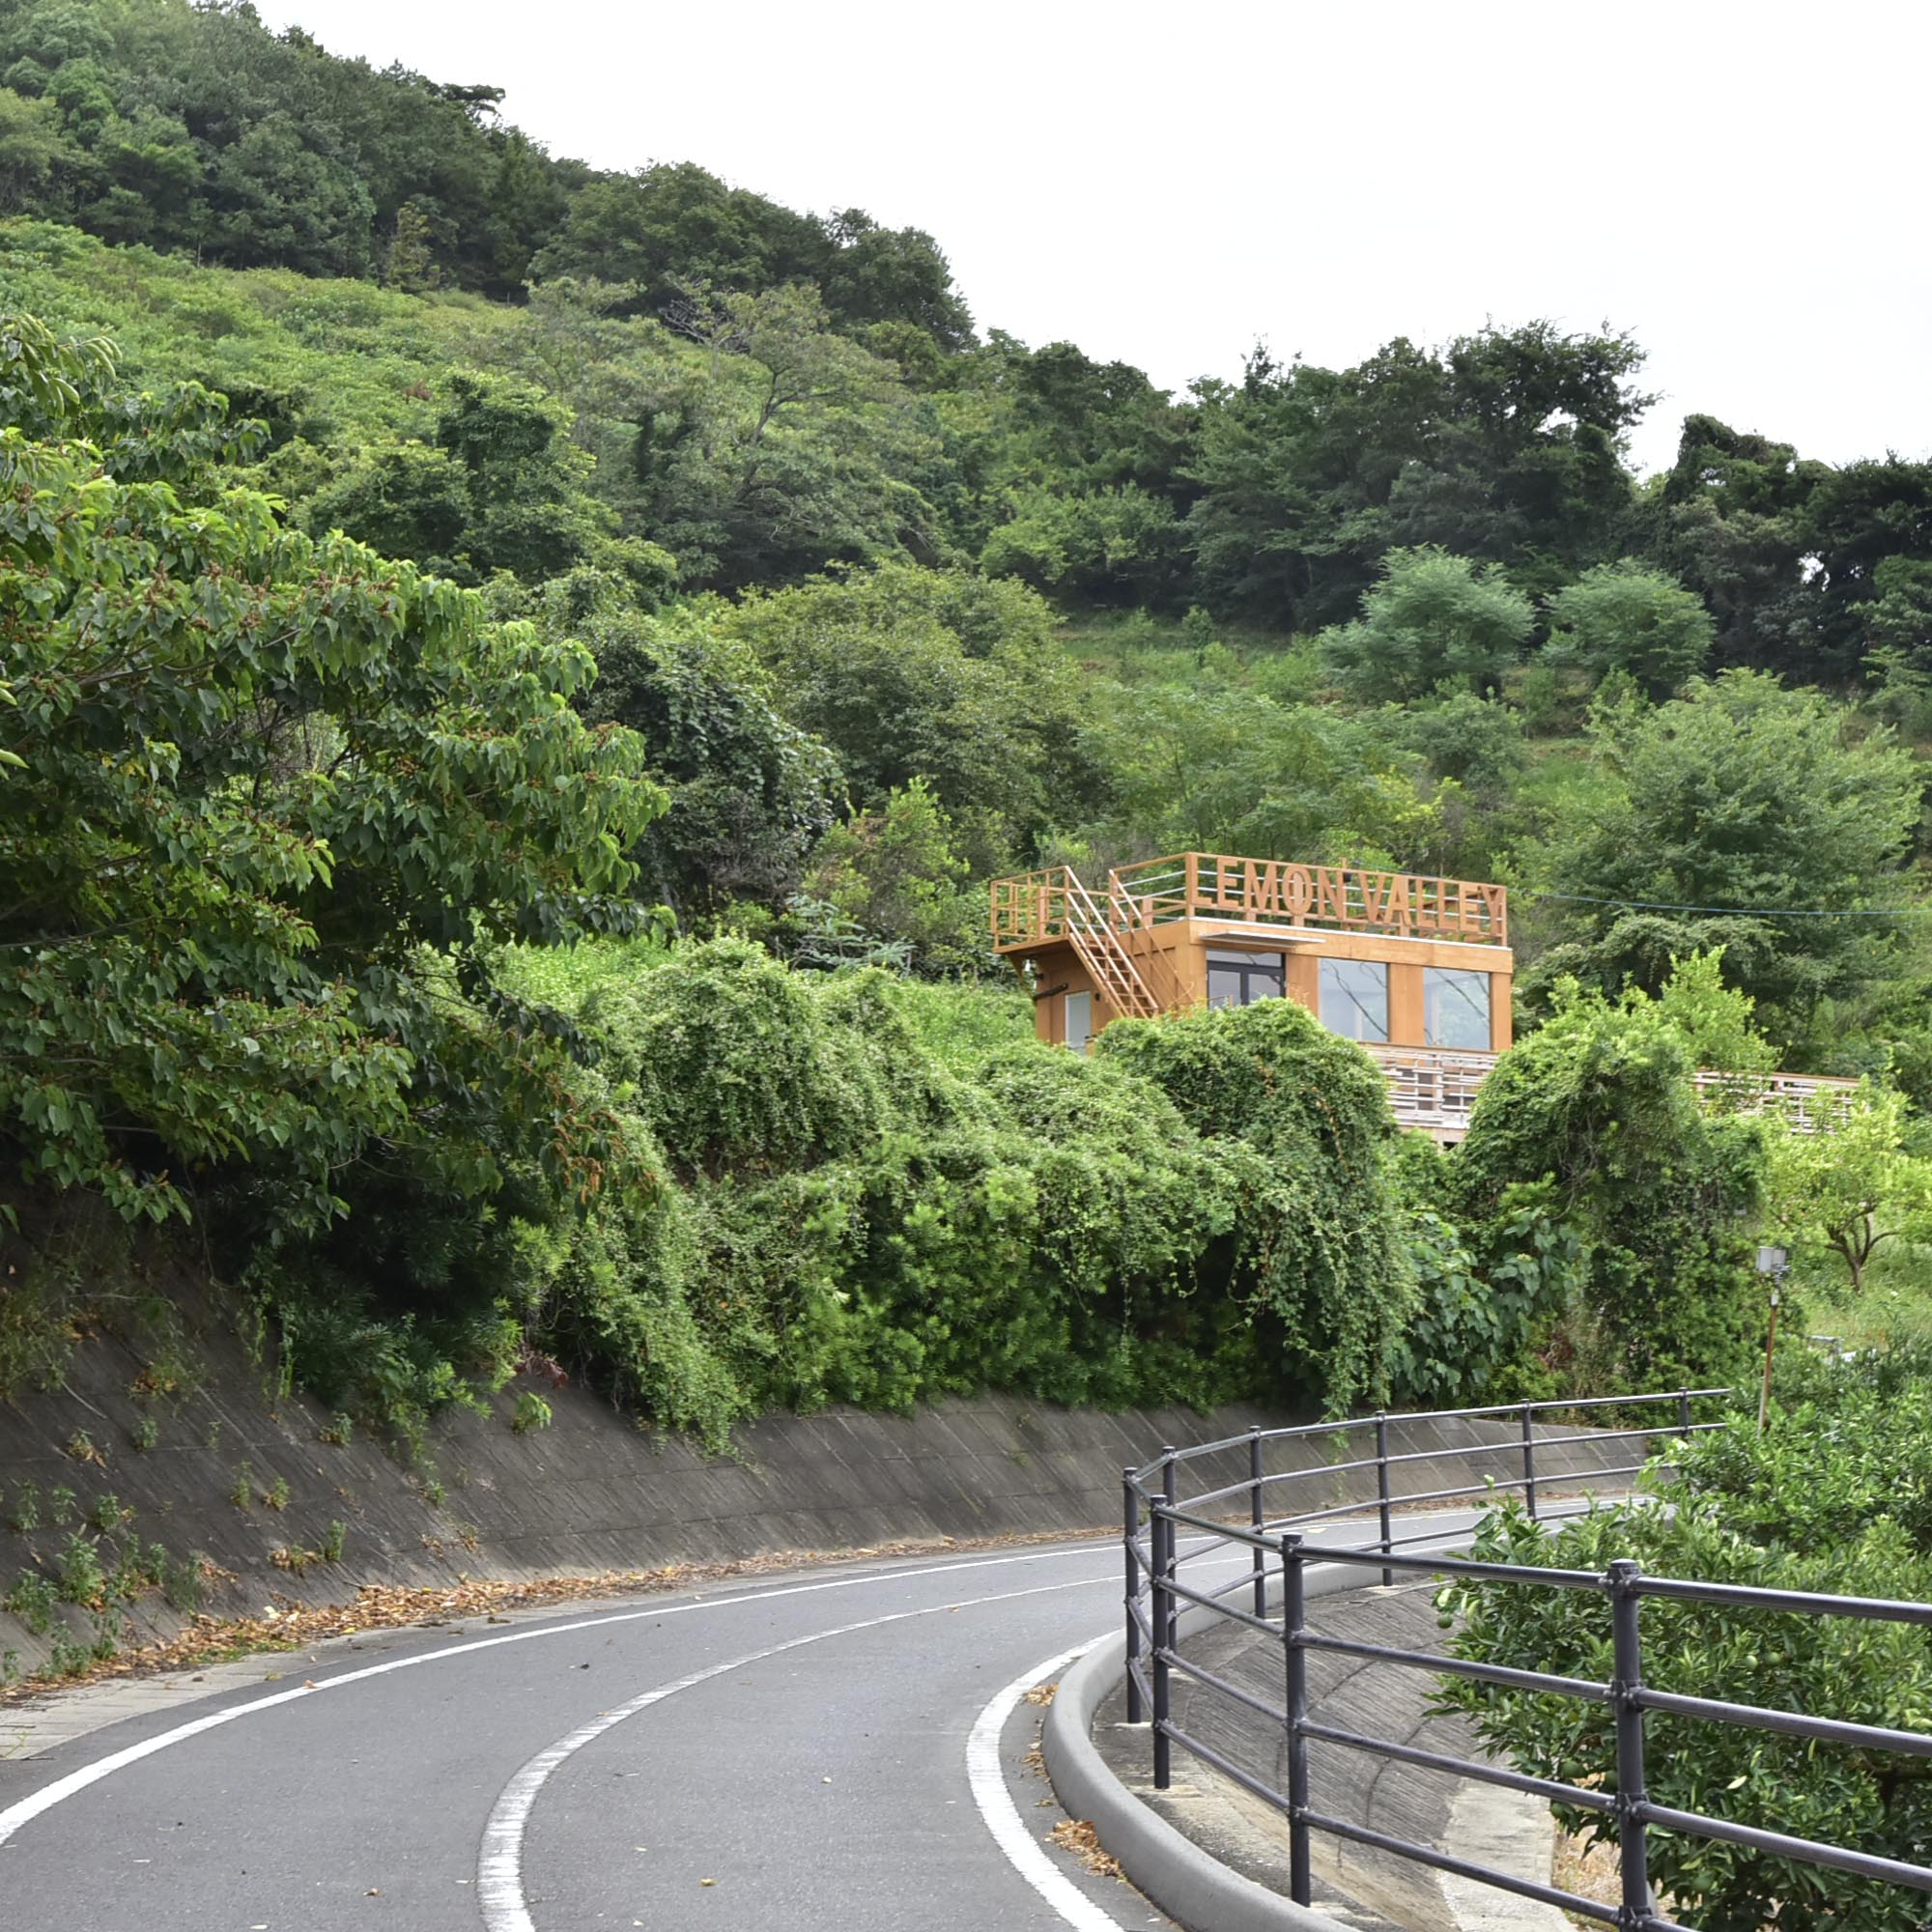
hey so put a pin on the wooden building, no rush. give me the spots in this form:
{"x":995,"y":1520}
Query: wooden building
{"x":1417,"y":969}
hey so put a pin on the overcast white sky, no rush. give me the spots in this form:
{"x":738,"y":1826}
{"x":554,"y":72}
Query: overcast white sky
{"x":1743,"y":185}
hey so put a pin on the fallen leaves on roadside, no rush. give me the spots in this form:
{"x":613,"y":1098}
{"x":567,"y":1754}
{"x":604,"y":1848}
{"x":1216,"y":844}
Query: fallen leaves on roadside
{"x":1040,"y":1693}
{"x":1077,"y":1837}
{"x":287,"y":1625}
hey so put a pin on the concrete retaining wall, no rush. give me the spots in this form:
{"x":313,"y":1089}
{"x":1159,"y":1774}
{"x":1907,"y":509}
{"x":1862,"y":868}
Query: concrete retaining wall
{"x":590,"y":1493}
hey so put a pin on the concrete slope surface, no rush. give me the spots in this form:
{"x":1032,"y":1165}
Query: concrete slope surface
{"x":836,"y":1748}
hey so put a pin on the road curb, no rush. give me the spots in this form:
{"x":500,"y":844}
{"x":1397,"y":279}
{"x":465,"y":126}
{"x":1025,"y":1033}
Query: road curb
{"x":1184,"y":1880}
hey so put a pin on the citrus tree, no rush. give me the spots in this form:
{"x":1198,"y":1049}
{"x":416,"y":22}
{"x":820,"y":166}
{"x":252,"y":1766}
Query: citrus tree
{"x":1854,"y":1185}
{"x":1835,"y":1498}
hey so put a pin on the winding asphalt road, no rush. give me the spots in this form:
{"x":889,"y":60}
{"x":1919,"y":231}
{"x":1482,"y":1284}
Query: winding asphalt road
{"x":832,"y":1748}
{"x":835,"y":1748}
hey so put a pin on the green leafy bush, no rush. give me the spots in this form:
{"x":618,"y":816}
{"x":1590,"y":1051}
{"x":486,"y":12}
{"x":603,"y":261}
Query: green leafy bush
{"x":81,"y":1579}
{"x":895,"y":872}
{"x":1598,"y":1105}
{"x":1485,"y":1295}
{"x":33,"y":1599}
{"x":1432,"y":620}
{"x":1320,"y":1241}
{"x":1623,"y":616}
{"x":856,"y":1217}
{"x":1835,"y":1498}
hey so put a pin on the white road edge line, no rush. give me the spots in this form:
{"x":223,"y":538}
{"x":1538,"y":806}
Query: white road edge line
{"x":30,"y":1807}
{"x":26,"y":1810}
{"x":1001,"y":1815}
{"x":499,"y":1874}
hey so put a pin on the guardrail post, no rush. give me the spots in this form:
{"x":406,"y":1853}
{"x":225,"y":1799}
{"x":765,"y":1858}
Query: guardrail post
{"x":1383,"y":1490}
{"x":1130,"y":1541}
{"x":1530,"y":1459}
{"x":1294,"y":1658}
{"x":1684,"y":1413}
{"x":1258,"y":1517}
{"x":1164,"y":1619}
{"x":1627,"y":1679}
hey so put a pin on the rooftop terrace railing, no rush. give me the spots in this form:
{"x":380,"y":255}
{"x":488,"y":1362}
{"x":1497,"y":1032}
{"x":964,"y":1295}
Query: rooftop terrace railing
{"x":1157,"y":1587}
{"x":1276,"y":891}
{"x":1033,"y":906}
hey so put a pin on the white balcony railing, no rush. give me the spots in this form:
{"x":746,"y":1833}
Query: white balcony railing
{"x":1430,"y":1087}
{"x":1435,"y":1089}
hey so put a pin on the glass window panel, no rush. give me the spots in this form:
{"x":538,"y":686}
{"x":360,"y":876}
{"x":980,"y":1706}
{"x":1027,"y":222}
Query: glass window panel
{"x":1239,"y":979}
{"x":1455,"y":1008}
{"x":1226,"y":985}
{"x":1355,"y":998}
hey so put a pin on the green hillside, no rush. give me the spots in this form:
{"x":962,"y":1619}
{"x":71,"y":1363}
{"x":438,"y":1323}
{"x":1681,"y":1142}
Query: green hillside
{"x":516,"y":678}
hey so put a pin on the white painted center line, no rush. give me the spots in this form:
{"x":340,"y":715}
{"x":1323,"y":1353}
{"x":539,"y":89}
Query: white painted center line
{"x":30,"y":1807}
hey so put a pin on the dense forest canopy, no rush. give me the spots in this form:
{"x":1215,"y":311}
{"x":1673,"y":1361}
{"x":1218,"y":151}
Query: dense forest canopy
{"x":763,"y":391}
{"x":472,"y":625}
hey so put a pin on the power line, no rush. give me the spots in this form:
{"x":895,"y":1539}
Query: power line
{"x":1741,"y":912}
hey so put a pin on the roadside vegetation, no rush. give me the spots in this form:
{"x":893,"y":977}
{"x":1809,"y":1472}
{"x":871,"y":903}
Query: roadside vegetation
{"x":1836,"y":1498}
{"x":513,"y":680}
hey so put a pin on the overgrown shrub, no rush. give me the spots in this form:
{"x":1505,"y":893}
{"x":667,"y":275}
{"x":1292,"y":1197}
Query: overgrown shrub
{"x":1320,"y":1238}
{"x":1598,"y":1104}
{"x":864,"y":1224}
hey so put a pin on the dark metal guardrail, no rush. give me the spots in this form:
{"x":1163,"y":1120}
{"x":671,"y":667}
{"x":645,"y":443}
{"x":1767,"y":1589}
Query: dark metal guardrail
{"x":1156,"y":1592}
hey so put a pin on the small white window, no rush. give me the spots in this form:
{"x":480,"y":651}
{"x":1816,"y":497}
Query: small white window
{"x":1079,"y":1020}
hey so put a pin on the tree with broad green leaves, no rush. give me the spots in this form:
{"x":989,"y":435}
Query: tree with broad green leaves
{"x":777,"y":446}
{"x":1727,"y":811}
{"x":1432,"y":620}
{"x":503,"y":488}
{"x":1213,"y":766}
{"x":1716,"y":1023}
{"x":751,"y":794}
{"x":940,"y":675}
{"x":32,"y":149}
{"x":265,"y":798}
{"x":1504,"y":445}
{"x":1622,"y":617}
{"x":1119,"y":544}
{"x":894,"y":870}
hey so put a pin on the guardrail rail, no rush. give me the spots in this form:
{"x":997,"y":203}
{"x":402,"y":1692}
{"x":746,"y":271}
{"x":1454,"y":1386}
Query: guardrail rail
{"x":1156,"y":1592}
